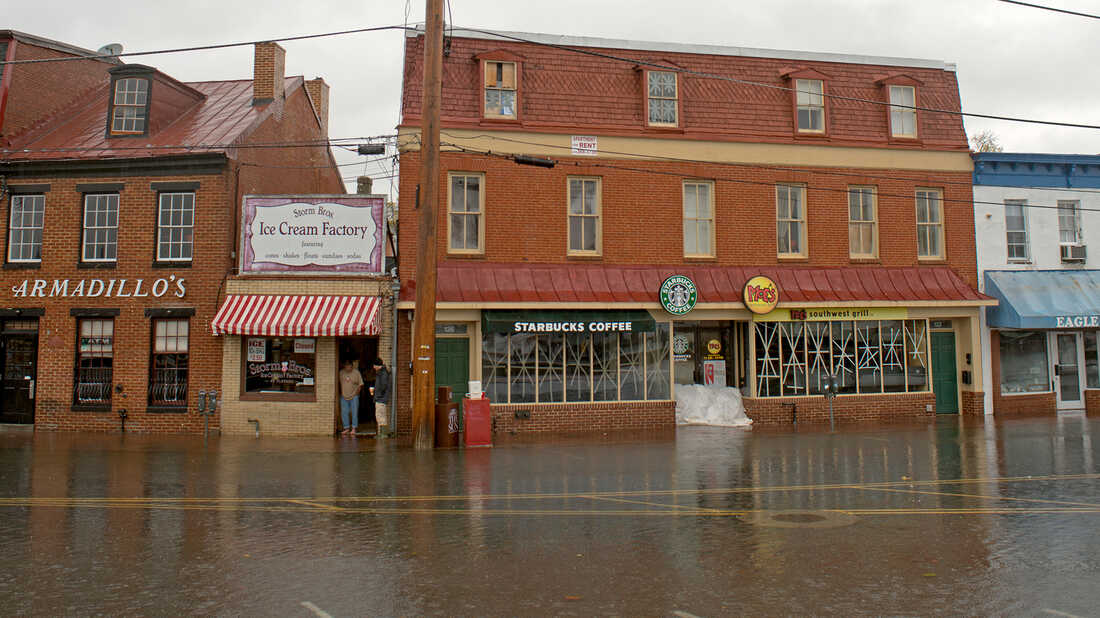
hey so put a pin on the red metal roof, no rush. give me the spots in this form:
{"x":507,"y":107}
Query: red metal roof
{"x":225,"y":115}
{"x":479,"y":282}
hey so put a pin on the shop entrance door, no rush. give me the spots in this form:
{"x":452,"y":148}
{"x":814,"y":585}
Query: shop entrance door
{"x":945,"y":380}
{"x":361,"y":351}
{"x":19,"y":355}
{"x":452,"y":365}
{"x":1067,"y":371}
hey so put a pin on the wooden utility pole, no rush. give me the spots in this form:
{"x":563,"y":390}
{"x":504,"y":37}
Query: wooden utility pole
{"x":423,"y":404}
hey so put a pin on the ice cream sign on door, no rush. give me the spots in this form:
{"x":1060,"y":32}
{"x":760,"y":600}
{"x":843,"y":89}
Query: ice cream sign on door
{"x":312,"y":234}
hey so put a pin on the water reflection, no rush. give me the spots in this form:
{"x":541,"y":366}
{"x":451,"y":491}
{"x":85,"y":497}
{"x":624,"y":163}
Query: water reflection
{"x":957,"y":514}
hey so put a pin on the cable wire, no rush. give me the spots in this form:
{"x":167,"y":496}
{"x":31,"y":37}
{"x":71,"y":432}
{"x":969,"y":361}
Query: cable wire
{"x":1051,"y":8}
{"x":742,"y":181}
{"x":205,"y":47}
{"x":334,"y":142}
{"x":746,"y":82}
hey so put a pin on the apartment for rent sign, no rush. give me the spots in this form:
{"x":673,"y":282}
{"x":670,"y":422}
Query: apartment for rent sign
{"x":312,"y":234}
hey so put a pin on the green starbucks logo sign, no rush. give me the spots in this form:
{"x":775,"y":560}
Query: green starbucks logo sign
{"x":678,"y":294}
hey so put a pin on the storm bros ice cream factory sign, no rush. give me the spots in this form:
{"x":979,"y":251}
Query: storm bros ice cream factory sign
{"x":335,"y":233}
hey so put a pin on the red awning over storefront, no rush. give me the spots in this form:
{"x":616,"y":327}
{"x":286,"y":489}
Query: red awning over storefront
{"x":475,"y":282}
{"x":297,"y":316}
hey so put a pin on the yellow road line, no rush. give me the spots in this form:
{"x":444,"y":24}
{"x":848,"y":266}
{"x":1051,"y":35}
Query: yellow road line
{"x":981,"y":497}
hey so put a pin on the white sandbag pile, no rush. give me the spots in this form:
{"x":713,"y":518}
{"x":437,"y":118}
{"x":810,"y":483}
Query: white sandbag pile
{"x":710,"y":405}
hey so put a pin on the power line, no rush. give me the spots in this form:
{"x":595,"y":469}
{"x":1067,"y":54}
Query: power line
{"x":742,"y":181}
{"x":705,"y":75}
{"x":778,"y":168}
{"x":205,"y":47}
{"x":335,"y":142}
{"x":1050,"y":8}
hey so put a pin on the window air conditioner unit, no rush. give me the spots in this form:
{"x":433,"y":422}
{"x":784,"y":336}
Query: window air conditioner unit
{"x":1073,"y":253}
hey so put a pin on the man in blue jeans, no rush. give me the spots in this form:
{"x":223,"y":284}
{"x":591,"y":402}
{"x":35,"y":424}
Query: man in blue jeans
{"x":350,"y":385}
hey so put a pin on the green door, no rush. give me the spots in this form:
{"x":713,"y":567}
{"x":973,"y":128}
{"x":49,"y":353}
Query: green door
{"x":452,"y":365}
{"x":945,"y":381}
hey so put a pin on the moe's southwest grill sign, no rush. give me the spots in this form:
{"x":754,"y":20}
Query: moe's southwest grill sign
{"x":339,"y":233}
{"x":761,"y":295}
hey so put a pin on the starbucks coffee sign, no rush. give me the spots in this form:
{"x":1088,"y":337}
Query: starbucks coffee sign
{"x":678,"y":294}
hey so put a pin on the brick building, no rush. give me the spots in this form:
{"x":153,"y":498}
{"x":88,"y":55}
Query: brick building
{"x":1035,"y":225}
{"x":121,"y":188}
{"x":568,"y":292}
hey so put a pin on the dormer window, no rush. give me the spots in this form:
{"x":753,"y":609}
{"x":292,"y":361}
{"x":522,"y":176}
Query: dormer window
{"x":902,"y":92}
{"x":662,"y":98}
{"x":811,"y":105}
{"x":809,"y":101}
{"x":500,"y":89}
{"x":131,"y":104}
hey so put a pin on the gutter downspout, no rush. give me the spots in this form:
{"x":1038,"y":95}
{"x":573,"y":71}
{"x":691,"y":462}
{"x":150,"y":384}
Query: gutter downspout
{"x":395,"y":287}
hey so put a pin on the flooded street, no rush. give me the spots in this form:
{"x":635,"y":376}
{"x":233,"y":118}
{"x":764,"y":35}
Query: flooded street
{"x":949,"y":518}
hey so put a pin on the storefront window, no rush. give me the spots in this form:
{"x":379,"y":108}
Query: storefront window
{"x":871,"y":356}
{"x":575,"y":367}
{"x":1024,"y":362}
{"x":1092,"y":375}
{"x":279,"y":365}
{"x":95,"y":362}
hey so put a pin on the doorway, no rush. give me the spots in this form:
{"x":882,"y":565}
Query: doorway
{"x":361,"y":351}
{"x":1067,"y":370}
{"x":19,"y":358}
{"x":452,"y":366}
{"x":945,"y":379}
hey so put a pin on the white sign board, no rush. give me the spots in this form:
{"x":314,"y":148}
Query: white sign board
{"x":257,"y":350}
{"x":714,"y":372}
{"x":312,"y":234}
{"x":585,"y":145}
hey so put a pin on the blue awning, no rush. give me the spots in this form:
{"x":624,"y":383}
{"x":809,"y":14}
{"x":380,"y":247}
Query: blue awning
{"x":1043,"y":298}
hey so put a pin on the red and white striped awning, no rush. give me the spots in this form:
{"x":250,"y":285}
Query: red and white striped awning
{"x":297,"y":316}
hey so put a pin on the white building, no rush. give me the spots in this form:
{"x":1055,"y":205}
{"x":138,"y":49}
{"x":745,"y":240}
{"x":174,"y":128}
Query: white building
{"x":1037,"y":230}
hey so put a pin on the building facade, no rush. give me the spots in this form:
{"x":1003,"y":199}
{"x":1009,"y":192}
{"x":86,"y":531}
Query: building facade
{"x":121,"y":188}
{"x":584,"y":296}
{"x":1035,"y":222}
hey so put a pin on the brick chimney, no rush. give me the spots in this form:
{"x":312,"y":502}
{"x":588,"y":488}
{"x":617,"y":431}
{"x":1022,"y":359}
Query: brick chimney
{"x":268,"y":69}
{"x":318,"y":93}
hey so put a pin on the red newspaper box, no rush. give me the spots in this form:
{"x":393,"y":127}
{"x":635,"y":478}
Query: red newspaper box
{"x":479,"y":423}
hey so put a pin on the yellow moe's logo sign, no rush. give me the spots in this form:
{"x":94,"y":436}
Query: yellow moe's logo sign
{"x":761,"y":295}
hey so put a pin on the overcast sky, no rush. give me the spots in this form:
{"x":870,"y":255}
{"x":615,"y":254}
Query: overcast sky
{"x":1012,"y":60}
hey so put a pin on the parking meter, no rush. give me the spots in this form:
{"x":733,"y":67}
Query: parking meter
{"x":202,"y":402}
{"x":830,"y":389}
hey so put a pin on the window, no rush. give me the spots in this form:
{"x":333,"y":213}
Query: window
{"x":862,"y":224}
{"x":661,"y":97}
{"x":903,"y":116}
{"x":168,"y":370}
{"x":25,"y":228}
{"x":810,"y":99}
{"x":500,"y":89}
{"x":175,"y":227}
{"x":130,"y":106}
{"x":1016,"y":230}
{"x":791,"y":219}
{"x":100,"y":228}
{"x":794,"y":359}
{"x":94,"y":362}
{"x":1069,"y":222}
{"x":576,"y":367}
{"x":1024,"y":362}
{"x":464,"y":214}
{"x":280,"y":365}
{"x":584,"y":216}
{"x":929,"y":224}
{"x":698,"y":219}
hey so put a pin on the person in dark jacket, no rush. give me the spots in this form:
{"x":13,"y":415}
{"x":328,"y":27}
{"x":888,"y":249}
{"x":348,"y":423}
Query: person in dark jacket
{"x":381,"y":393}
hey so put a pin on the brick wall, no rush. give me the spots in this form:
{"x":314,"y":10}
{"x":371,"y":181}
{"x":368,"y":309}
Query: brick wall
{"x":281,"y":418}
{"x":845,"y":408}
{"x":525,"y":213}
{"x":584,"y":417}
{"x":973,"y":403}
{"x":61,"y":246}
{"x":1092,"y":402}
